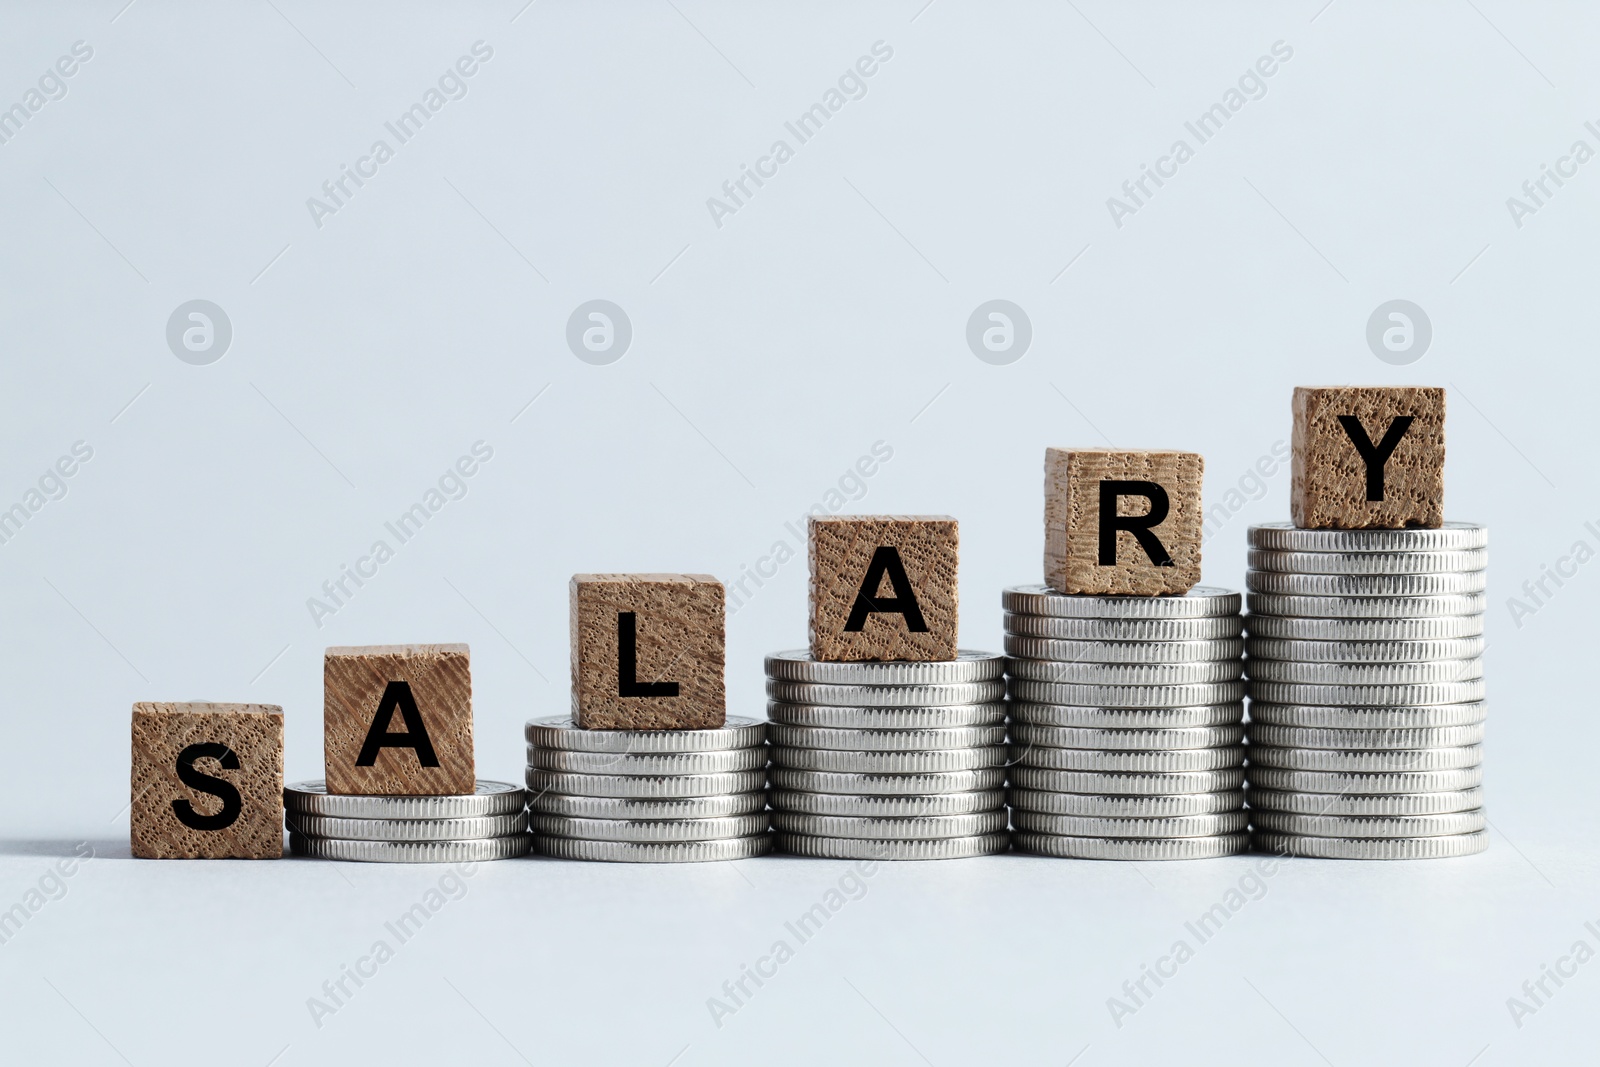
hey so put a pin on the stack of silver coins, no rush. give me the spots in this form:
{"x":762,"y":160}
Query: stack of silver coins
{"x":1126,"y":724}
{"x":487,"y":824}
{"x":891,"y":760}
{"x":648,"y":796}
{"x":1367,"y":693}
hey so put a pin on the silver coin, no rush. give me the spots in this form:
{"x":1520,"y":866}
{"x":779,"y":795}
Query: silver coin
{"x":1324,"y":759}
{"x":1213,"y":628}
{"x":885,"y":696}
{"x":1398,"y":848}
{"x":478,"y":850}
{"x":1200,"y":602}
{"x":1137,"y":807}
{"x":850,"y":848}
{"x":1034,"y":822}
{"x":635,"y":809}
{"x":1118,"y":784}
{"x":1365,"y":783}
{"x":730,"y":848}
{"x":1370,"y":696}
{"x":1076,"y":716}
{"x":1270,"y":559}
{"x":1385,"y":585}
{"x":904,"y":828}
{"x":1364,"y":651}
{"x":489,"y":798}
{"x":1262,"y":733}
{"x":828,"y":717}
{"x":1046,"y":648}
{"x":1415,"y":717}
{"x":408,"y":829}
{"x":654,"y":787}
{"x":558,"y":731}
{"x":1047,"y":670}
{"x":1125,"y":848}
{"x":1026,"y":733}
{"x":714,"y":829}
{"x":1161,"y":762}
{"x":1451,"y":537}
{"x":1366,"y":805}
{"x":960,"y":759}
{"x":1459,"y":822}
{"x":1439,"y":670}
{"x":888,"y":784}
{"x":1127,"y":696}
{"x":1439,"y":627}
{"x":1364,"y":607}
{"x":888,"y":807}
{"x":968,"y":666}
{"x":650,"y":763}
{"x":785,"y":736}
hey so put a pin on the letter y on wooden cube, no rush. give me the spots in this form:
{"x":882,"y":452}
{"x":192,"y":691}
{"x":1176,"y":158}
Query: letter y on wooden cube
{"x":397,"y":720}
{"x":883,"y":587}
{"x":648,"y":651}
{"x":207,"y":781}
{"x":1122,"y":522}
{"x":1368,"y":457}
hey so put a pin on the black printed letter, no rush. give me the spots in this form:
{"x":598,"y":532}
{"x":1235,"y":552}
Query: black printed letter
{"x":1375,"y":456}
{"x":415,"y":735}
{"x":1138,"y":525}
{"x":886,"y":560}
{"x":205,"y":783}
{"x":628,"y":684}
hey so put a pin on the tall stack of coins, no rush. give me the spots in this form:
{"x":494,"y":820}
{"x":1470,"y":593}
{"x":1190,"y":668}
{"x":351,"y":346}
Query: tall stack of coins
{"x":1126,"y":718}
{"x":648,"y":796}
{"x":487,"y":824}
{"x":894,"y":760}
{"x":1367,"y":692}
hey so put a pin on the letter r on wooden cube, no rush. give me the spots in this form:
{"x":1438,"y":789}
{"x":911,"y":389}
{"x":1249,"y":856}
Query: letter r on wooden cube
{"x":883,"y":587}
{"x":207,"y":781}
{"x":397,"y":720}
{"x":1122,"y":522}
{"x":648,"y":651}
{"x":1368,"y":457}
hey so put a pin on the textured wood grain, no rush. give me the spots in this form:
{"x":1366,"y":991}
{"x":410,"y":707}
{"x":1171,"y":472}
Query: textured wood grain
{"x":354,"y":680}
{"x":841,"y":550}
{"x":1329,"y":478}
{"x":161,"y":733}
{"x":679,"y":637}
{"x":1072,"y":480}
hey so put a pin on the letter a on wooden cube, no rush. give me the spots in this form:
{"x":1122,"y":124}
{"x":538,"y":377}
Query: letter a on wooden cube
{"x":883,"y":587}
{"x":207,"y":781}
{"x":1121,"y":522}
{"x":1368,"y":457}
{"x":648,"y":651}
{"x":397,"y":720}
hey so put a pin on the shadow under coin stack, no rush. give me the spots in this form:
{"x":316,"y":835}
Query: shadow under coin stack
{"x":648,"y":796}
{"x":1367,"y":694}
{"x":1126,"y":724}
{"x":890,"y":760}
{"x":488,"y":824}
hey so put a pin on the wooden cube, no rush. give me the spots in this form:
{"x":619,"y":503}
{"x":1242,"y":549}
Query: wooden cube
{"x":1368,"y":457}
{"x":883,"y":587}
{"x":1122,"y":522}
{"x":207,"y":781}
{"x":397,"y":720}
{"x":648,"y":651}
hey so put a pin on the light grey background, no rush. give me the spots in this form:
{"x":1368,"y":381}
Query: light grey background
{"x":768,"y":354}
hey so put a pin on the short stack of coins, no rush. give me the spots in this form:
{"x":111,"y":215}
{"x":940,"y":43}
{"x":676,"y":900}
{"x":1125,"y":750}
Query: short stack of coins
{"x":892,"y":760}
{"x":487,"y":824}
{"x":1367,"y":693}
{"x":648,"y":796}
{"x":1126,"y":724}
